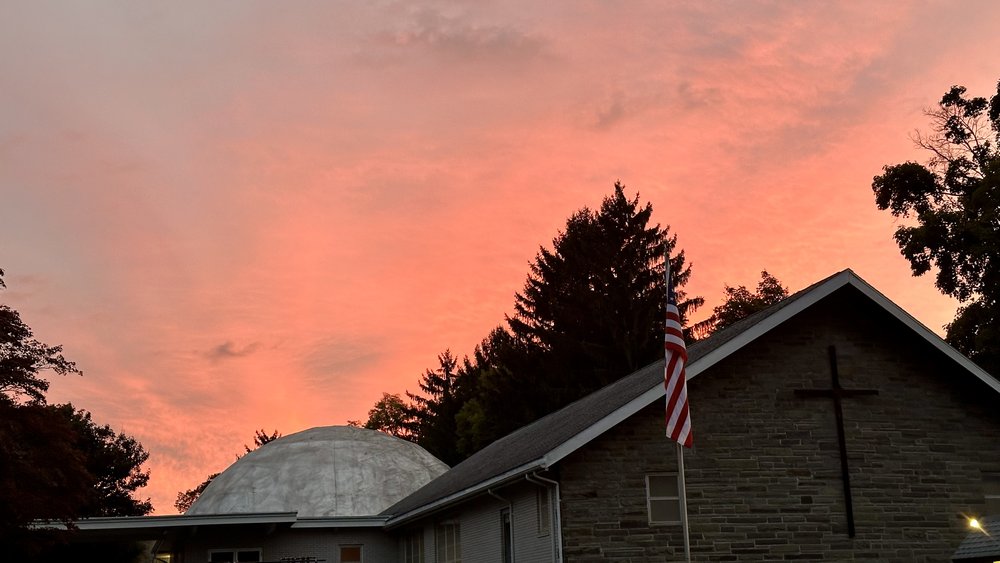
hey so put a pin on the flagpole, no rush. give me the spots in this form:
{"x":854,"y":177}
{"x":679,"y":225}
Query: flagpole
{"x":682,"y":489}
{"x":681,"y":486}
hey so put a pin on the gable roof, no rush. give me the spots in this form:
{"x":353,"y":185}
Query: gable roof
{"x":982,"y":543}
{"x":546,"y":441}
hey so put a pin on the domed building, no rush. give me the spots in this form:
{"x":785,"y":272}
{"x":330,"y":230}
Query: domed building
{"x":311,"y":496}
{"x":327,"y":472}
{"x":598,"y":481}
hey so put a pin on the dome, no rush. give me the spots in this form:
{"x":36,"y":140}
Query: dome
{"x":326,"y":472}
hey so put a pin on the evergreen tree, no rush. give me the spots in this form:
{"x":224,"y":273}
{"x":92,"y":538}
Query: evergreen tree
{"x":433,"y":412}
{"x":591,"y":311}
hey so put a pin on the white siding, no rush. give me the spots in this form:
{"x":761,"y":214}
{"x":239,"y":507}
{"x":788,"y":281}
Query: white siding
{"x":481,"y":532}
{"x":377,"y":546}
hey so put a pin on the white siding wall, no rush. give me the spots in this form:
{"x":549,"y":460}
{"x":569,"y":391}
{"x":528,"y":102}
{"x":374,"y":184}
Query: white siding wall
{"x":378,"y":546}
{"x":481,"y":530}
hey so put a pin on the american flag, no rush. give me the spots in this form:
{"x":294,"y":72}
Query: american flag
{"x":678,"y":417}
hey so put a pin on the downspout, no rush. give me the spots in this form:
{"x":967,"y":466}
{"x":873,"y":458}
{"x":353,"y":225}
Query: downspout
{"x":557,"y":523}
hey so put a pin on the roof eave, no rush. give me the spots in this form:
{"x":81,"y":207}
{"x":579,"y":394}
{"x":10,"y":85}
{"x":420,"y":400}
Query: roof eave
{"x":454,"y":498}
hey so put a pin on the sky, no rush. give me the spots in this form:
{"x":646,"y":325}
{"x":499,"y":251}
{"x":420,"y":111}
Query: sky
{"x":244,"y":215}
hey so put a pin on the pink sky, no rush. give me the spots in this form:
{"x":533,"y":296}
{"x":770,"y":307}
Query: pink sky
{"x":243,"y":215}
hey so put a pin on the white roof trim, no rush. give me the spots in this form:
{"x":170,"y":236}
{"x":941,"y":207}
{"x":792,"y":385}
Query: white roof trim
{"x":847,"y":277}
{"x":172,"y":521}
{"x":348,"y":522}
{"x":479,"y":487}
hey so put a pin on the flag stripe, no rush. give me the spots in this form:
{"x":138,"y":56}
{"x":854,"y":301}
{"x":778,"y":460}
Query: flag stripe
{"x":674,"y":379}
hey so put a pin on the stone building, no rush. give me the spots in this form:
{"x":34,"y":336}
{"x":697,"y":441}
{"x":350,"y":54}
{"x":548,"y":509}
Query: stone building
{"x":832,"y":426}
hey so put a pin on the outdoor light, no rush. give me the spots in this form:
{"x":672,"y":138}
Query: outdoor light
{"x":974,"y":524}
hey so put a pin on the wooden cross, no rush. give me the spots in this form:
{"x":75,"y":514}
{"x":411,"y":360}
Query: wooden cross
{"x":838,"y":392}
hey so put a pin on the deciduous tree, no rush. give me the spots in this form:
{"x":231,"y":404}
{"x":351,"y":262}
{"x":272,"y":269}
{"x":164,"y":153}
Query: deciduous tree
{"x":22,"y":358}
{"x":186,"y":498}
{"x":952,"y":207}
{"x":391,"y":415}
{"x":741,"y":303}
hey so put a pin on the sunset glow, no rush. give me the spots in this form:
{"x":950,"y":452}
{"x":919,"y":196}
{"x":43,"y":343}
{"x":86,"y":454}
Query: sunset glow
{"x":244,"y":215}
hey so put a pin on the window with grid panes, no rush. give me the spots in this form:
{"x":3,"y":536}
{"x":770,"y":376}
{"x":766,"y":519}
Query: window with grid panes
{"x":245,"y":555}
{"x":413,"y":547}
{"x":448,"y":543}
{"x":663,"y":498}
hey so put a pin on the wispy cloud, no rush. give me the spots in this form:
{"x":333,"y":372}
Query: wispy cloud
{"x":330,"y":195}
{"x":228,"y":350}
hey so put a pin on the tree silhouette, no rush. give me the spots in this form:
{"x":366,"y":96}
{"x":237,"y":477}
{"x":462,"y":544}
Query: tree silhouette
{"x":954,"y":201}
{"x":741,"y":303}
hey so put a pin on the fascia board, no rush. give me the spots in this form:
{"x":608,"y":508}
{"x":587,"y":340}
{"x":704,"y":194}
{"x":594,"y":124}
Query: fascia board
{"x":847,"y":277}
{"x":693,"y":369}
{"x":927,"y":334}
{"x":478,"y":488}
{"x":173,"y":521}
{"x":359,"y":522}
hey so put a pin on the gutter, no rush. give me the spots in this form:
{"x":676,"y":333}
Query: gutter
{"x":478,"y":488}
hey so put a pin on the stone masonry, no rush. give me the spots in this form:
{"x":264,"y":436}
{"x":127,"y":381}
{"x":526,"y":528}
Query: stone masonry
{"x":764,"y":479}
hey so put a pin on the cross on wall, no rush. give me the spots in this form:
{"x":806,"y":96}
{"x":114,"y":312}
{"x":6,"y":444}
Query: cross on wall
{"x":838,"y":393}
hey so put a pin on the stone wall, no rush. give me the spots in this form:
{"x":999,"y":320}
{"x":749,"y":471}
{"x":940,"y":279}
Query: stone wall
{"x":764,"y":478}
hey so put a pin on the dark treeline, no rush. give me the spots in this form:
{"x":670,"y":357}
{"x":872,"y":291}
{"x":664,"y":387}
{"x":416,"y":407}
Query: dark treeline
{"x":56,"y":463}
{"x":590,"y":312}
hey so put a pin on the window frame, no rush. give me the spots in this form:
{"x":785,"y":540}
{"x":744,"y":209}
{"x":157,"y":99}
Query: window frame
{"x":991,"y":492}
{"x":650,"y":499}
{"x":343,"y":546}
{"x":235,"y":551}
{"x":543,"y":509}
{"x":441,"y":549}
{"x":414,"y":539}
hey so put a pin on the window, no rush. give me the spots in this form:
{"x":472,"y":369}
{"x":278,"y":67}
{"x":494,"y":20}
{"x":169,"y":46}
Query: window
{"x":544,"y":512}
{"x":506,"y":536}
{"x":991,"y":493}
{"x":350,"y":554}
{"x":234,"y":555}
{"x":413,"y":547}
{"x":663,"y":499}
{"x":448,"y":542}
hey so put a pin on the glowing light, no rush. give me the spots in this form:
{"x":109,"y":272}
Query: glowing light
{"x":974,"y":524}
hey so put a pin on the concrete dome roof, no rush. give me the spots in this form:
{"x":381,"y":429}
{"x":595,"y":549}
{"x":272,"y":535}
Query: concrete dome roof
{"x":325,"y":472}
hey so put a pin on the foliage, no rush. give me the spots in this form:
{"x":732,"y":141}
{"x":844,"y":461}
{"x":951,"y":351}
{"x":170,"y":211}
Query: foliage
{"x":390,"y":415}
{"x":433,"y":412}
{"x":22,"y":357}
{"x":591,"y":311}
{"x":952,"y":203}
{"x":60,"y":465}
{"x":114,"y":460}
{"x":56,"y":463}
{"x":260,"y":437}
{"x":741,"y":303}
{"x":186,"y":498}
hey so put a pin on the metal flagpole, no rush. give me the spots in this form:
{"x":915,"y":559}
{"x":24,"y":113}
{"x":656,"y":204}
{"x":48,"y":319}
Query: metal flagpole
{"x":683,"y":494}
{"x":681,"y":487}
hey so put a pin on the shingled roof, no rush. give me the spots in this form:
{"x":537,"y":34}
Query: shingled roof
{"x":981,"y":544}
{"x":541,"y":444}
